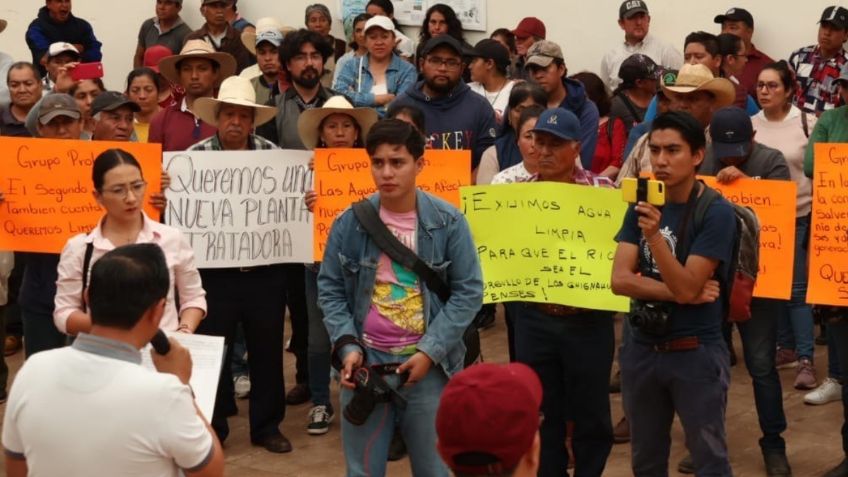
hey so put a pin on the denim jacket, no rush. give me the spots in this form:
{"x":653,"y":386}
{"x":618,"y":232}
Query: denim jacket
{"x":349,"y":270}
{"x":355,"y":80}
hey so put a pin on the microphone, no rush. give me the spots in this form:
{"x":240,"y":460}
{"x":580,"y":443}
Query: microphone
{"x":160,"y":343}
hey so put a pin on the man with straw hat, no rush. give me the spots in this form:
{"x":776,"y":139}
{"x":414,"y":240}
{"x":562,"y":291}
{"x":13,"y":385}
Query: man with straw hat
{"x":199,"y":69}
{"x":250,"y":295}
{"x":695,"y":91}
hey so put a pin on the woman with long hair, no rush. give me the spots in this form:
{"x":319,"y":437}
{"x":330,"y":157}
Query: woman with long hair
{"x":612,"y":134}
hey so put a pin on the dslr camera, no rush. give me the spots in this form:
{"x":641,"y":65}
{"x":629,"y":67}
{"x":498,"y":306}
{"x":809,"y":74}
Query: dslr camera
{"x":370,"y":390}
{"x":650,"y":317}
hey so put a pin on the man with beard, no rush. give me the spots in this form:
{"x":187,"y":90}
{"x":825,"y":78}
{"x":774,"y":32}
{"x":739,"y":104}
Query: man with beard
{"x":455,"y":116}
{"x":55,"y":23}
{"x":198,"y":68}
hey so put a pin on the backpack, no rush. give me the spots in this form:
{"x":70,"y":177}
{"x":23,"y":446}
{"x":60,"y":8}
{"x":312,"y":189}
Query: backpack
{"x":745,"y":259}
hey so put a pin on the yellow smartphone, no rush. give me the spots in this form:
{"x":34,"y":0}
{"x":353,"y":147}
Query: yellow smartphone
{"x":643,"y":190}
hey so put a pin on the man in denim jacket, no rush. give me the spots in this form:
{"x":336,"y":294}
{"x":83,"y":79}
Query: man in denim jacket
{"x":378,"y":312}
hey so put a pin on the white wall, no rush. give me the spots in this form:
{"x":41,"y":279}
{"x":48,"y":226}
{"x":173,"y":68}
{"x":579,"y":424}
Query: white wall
{"x":584,"y":29}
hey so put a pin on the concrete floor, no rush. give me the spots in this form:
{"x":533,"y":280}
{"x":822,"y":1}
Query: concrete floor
{"x":813,"y":440}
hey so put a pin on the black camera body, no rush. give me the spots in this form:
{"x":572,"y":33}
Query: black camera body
{"x":370,"y":390}
{"x":650,"y":317}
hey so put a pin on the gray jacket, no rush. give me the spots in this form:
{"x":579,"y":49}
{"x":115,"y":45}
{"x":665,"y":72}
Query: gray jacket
{"x":283,"y":130}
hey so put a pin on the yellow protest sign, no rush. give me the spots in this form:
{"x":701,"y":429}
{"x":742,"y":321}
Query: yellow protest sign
{"x":47,"y":183}
{"x":774,"y":204}
{"x":546,"y":242}
{"x":343,"y":176}
{"x":828,"y":279}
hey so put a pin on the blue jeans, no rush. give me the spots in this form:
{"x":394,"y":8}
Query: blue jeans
{"x":319,"y":349}
{"x":691,"y":383}
{"x":759,"y":335}
{"x":572,"y":356}
{"x":796,"y":320}
{"x":366,"y":447}
{"x":40,"y":332}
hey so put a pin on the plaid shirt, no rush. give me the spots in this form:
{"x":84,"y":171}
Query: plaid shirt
{"x":584,"y":177}
{"x":817,"y":76}
{"x":254,"y":143}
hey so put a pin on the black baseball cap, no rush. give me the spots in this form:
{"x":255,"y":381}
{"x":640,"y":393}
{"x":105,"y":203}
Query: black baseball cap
{"x":490,"y":50}
{"x":836,"y":16}
{"x":638,"y":66}
{"x":731,"y":131}
{"x":736,"y":15}
{"x":629,"y":8}
{"x":442,"y":40}
{"x":110,"y":101}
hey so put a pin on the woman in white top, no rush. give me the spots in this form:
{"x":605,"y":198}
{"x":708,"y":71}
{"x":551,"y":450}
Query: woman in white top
{"x":781,"y":125}
{"x":488,"y":68}
{"x":119,"y":187}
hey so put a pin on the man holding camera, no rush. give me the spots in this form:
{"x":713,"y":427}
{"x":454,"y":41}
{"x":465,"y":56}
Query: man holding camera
{"x":676,"y":360}
{"x":397,"y":333}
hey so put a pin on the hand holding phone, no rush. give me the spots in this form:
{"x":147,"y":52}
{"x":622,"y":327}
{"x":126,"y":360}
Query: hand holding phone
{"x":635,"y":190}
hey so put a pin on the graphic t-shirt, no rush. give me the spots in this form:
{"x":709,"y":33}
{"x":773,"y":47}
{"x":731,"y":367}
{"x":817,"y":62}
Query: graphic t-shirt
{"x":714,"y":240}
{"x":395,"y":321}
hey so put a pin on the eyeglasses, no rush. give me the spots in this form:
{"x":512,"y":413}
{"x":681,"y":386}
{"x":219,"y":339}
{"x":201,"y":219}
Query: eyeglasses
{"x":123,"y":192}
{"x":770,"y":86}
{"x":449,"y":63}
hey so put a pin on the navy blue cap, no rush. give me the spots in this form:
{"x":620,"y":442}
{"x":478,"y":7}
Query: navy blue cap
{"x":731,"y":131}
{"x":559,"y":122}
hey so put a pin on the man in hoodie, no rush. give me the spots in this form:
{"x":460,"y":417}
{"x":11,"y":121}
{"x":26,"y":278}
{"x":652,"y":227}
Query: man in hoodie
{"x":55,"y":23}
{"x":455,"y":116}
{"x":546,"y":65}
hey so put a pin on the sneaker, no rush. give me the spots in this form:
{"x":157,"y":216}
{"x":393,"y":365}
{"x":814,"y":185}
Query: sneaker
{"x":686,"y":466}
{"x":621,"y":431}
{"x":829,"y":391}
{"x":786,"y":359}
{"x":806,"y":376}
{"x":242,"y":386}
{"x":320,"y":418}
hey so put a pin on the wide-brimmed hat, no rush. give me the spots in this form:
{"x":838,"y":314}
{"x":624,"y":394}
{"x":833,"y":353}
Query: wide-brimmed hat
{"x":310,"y":120}
{"x":266,"y":24}
{"x":692,"y":78}
{"x":197,"y":49}
{"x":237,"y":91}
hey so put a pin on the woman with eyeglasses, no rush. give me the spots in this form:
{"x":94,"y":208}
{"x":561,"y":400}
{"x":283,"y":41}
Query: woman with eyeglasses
{"x":781,"y":125}
{"x":119,"y":188}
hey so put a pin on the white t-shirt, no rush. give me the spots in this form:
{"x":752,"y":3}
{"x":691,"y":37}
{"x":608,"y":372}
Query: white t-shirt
{"x":498,"y":99}
{"x":516,"y":173}
{"x":91,"y":409}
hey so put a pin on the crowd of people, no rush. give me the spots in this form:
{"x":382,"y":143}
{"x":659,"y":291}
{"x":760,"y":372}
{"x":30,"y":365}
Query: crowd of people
{"x":398,"y":295}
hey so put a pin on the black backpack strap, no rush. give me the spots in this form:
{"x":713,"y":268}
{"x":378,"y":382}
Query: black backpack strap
{"x":86,"y":264}
{"x":370,"y":220}
{"x":697,"y":214}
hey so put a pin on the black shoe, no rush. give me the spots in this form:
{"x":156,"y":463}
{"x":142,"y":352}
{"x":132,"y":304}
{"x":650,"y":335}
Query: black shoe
{"x":298,"y":395}
{"x":686,"y":466}
{"x":397,"y":448}
{"x":277,"y":444}
{"x":840,"y":470}
{"x":776,"y":464}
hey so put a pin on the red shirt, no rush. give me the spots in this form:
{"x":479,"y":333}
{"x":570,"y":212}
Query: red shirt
{"x":609,"y":150}
{"x":177,"y":129}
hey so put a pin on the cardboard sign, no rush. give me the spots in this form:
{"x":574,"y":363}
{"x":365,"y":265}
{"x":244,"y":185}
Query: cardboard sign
{"x":343,"y":176}
{"x":49,"y":193}
{"x":241,"y":208}
{"x":828,"y":279}
{"x":546,"y":242}
{"x":774,"y":203}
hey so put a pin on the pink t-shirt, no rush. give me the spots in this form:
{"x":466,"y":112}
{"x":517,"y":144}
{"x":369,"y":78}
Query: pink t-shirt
{"x":395,"y":321}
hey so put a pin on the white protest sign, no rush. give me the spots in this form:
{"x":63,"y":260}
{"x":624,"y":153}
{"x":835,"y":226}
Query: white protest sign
{"x":241,"y":208}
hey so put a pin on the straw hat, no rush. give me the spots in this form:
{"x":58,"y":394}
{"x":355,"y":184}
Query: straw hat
{"x":237,"y":91}
{"x":263,"y":24}
{"x":310,"y":120}
{"x":197,"y":49}
{"x":692,"y":78}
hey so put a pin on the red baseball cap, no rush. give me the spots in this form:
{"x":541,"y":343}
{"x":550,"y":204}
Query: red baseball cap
{"x":530,"y":26}
{"x":155,"y":53}
{"x":488,"y":417}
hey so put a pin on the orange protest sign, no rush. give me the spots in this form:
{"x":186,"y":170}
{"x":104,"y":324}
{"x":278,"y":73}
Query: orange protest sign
{"x":48,"y":189}
{"x":774,"y":203}
{"x":343,"y":176}
{"x":828,"y":279}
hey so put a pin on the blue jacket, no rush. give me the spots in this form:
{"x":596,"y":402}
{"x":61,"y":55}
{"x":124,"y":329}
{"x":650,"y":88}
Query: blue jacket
{"x":578,"y":103}
{"x":355,"y":80}
{"x":462,"y":119}
{"x":349,"y":270}
{"x":43,"y":32}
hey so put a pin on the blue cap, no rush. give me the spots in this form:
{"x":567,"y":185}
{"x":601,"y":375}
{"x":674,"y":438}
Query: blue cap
{"x":559,"y":122}
{"x":731,"y":131}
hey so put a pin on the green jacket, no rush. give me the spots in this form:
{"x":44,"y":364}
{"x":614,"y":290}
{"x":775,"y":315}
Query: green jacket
{"x":832,"y":126}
